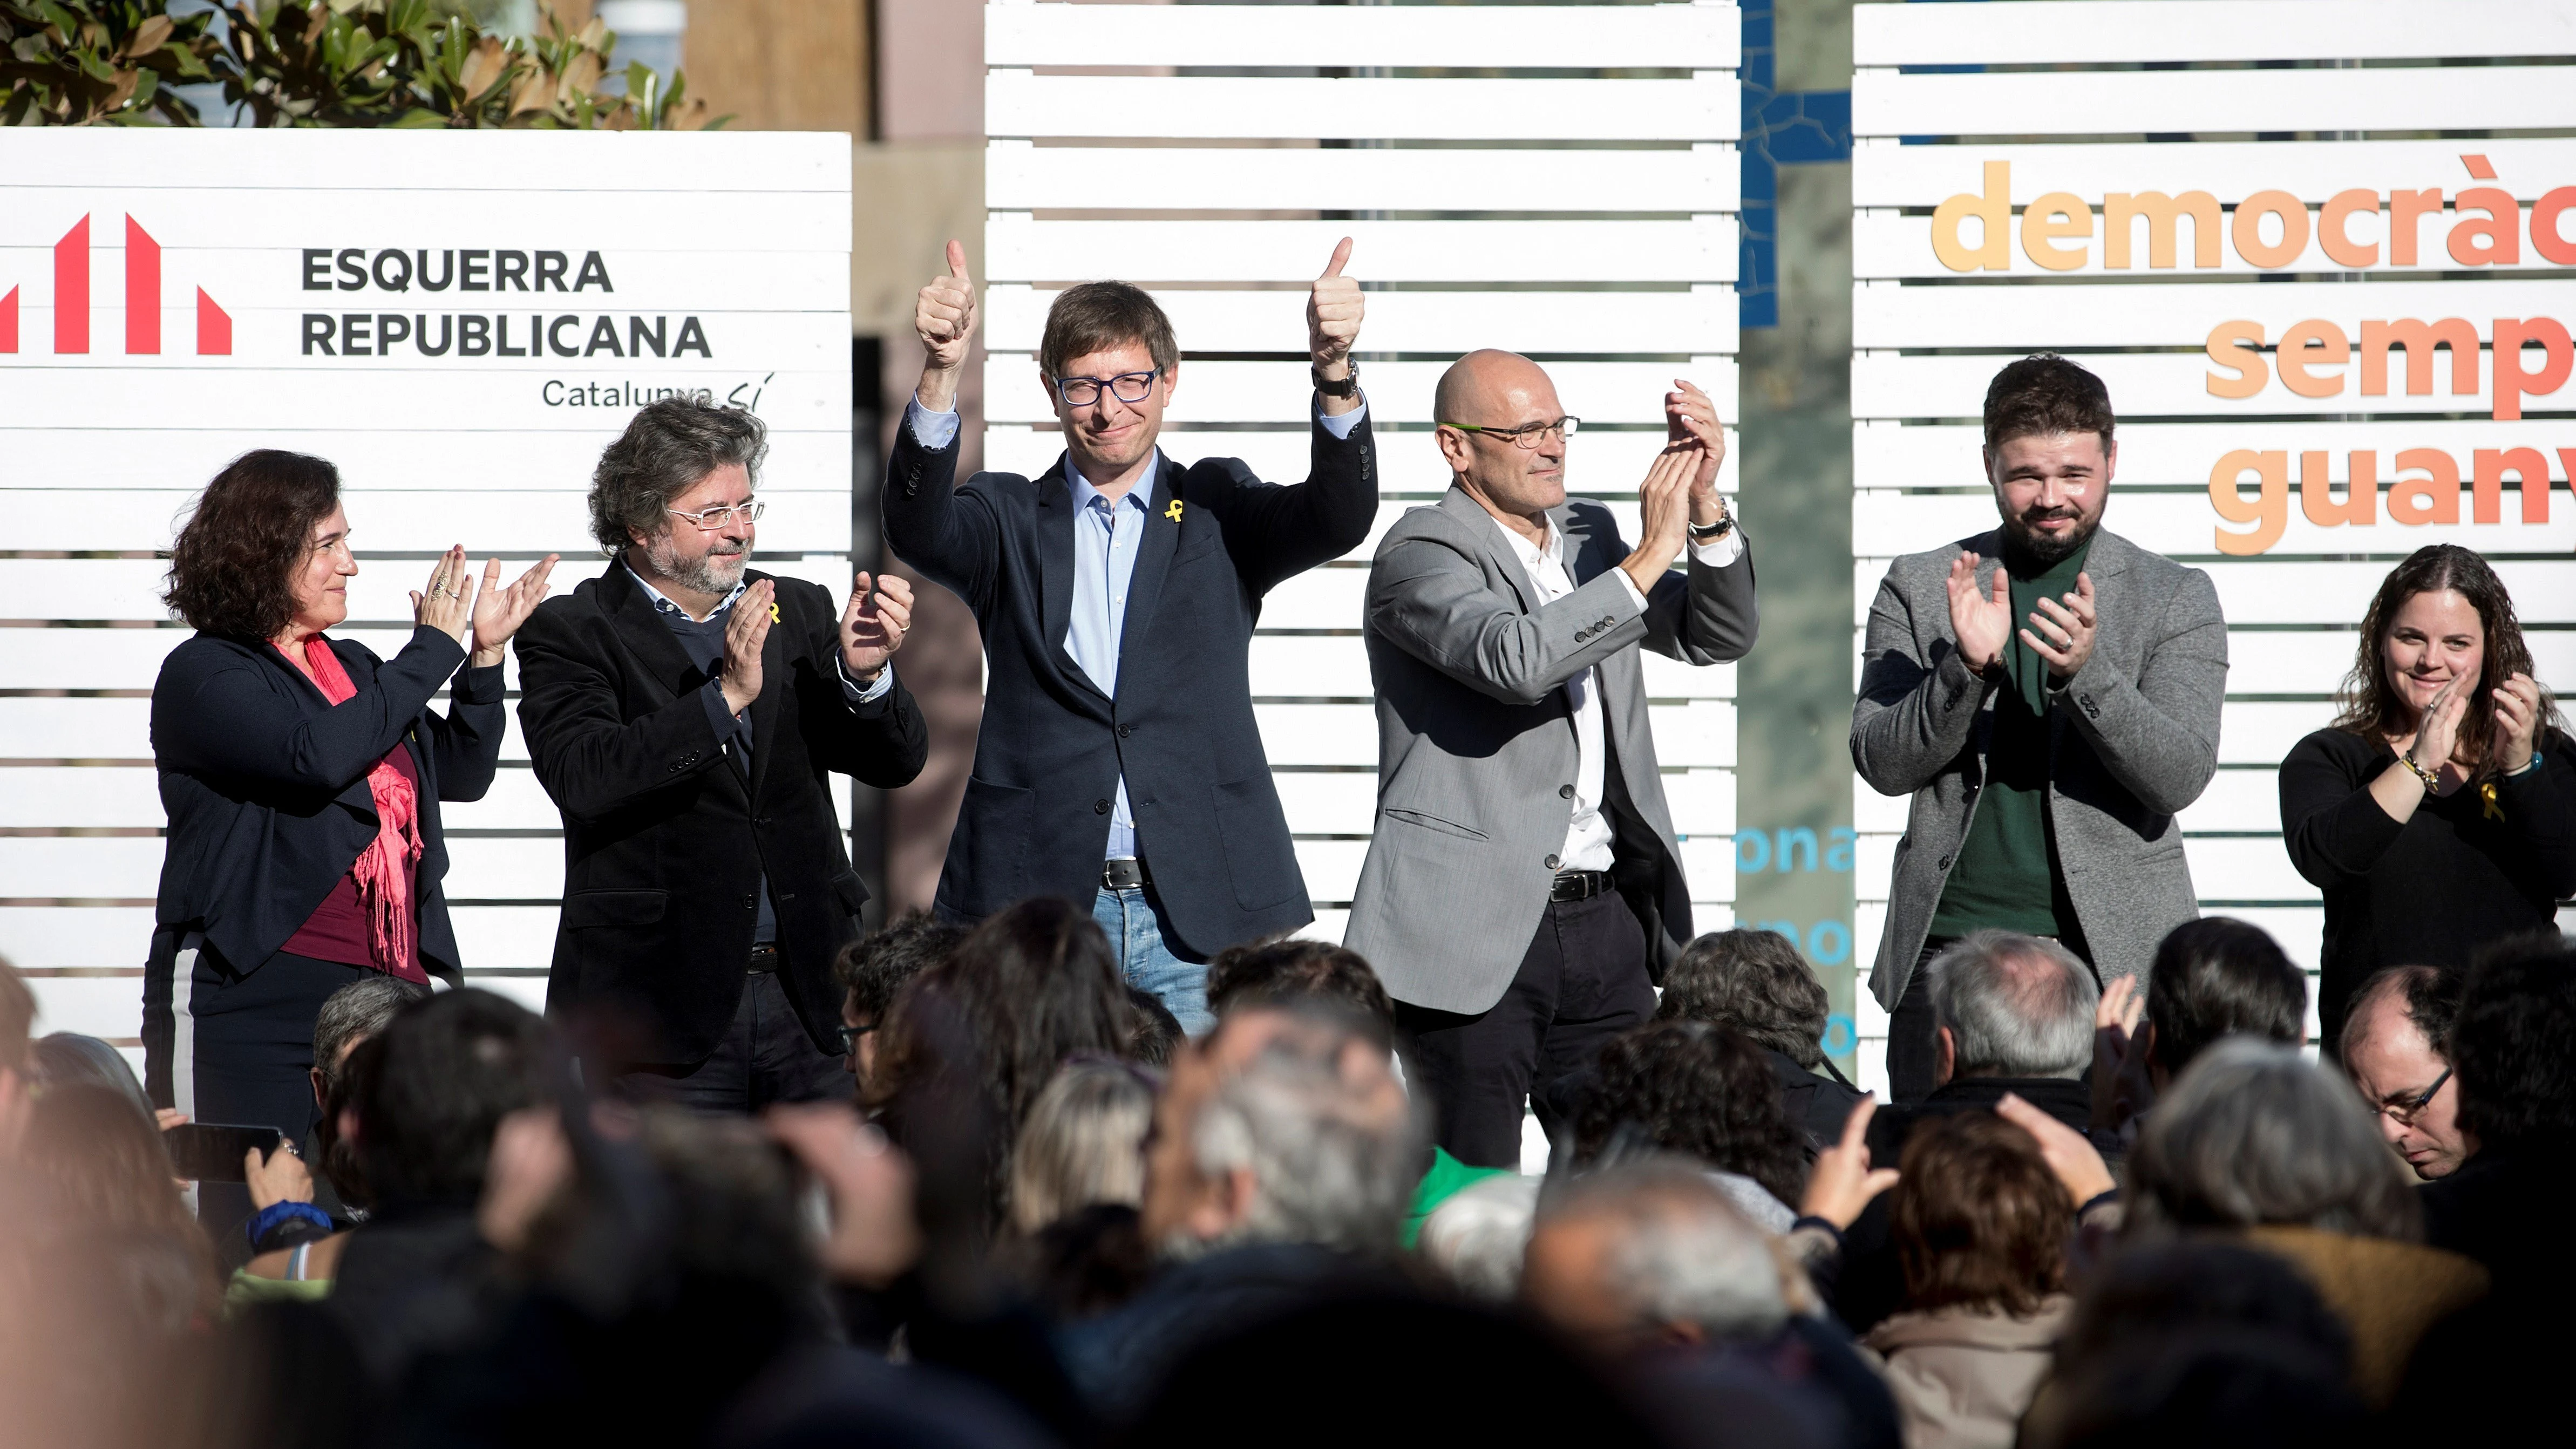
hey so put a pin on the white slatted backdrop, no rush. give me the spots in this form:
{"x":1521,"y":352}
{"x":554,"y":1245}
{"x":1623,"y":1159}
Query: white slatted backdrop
{"x":101,"y":449}
{"x":1559,"y":180}
{"x":2051,"y":131}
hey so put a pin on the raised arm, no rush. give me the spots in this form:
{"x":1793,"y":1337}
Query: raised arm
{"x":1275,"y":533}
{"x":1918,"y":702}
{"x":234,"y":721}
{"x":466,"y":741}
{"x":954,"y":541}
{"x":1429,"y":598}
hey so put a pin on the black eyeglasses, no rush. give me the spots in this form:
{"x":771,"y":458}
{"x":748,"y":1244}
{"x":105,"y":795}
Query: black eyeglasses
{"x":850,"y":1035}
{"x":2403,"y":1110}
{"x":1127,"y":387}
{"x":1528,"y":435}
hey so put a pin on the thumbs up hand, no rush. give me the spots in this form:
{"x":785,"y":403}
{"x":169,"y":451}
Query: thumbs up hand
{"x":945,"y":318}
{"x":1333,"y":311}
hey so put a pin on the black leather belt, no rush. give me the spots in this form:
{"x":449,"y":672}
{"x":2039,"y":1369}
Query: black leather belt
{"x":1126,"y":873}
{"x":1580,"y":885}
{"x":763,"y":958}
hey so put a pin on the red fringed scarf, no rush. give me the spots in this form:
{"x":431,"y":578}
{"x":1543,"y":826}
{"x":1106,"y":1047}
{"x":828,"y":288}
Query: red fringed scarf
{"x":384,"y":869}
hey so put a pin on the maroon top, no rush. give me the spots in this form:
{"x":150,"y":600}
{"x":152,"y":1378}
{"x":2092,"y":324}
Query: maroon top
{"x":337,"y":929}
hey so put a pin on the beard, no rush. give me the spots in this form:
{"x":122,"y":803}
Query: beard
{"x":716,"y":572}
{"x":2025,"y":539}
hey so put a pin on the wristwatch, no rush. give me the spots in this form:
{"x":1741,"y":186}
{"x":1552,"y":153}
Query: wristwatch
{"x":1347,"y":387}
{"x":1714,"y":531}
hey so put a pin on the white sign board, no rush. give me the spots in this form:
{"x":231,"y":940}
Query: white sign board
{"x":2327,"y":349}
{"x":460,"y":321}
{"x":1222,"y":186}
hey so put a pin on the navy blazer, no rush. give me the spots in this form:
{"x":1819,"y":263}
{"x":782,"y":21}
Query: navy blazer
{"x":1047,"y":763}
{"x":265,"y":782}
{"x":665,"y":841}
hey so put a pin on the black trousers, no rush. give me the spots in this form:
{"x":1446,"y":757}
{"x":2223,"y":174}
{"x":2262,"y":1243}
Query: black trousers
{"x":1582,"y":981}
{"x":764,"y":1057}
{"x":236,"y":1052}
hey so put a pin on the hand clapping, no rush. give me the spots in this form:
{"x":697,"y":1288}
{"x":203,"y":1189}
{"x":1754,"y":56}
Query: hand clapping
{"x":874,"y":625}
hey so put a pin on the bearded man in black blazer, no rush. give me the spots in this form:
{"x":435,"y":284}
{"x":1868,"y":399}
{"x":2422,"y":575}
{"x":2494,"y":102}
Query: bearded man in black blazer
{"x":685,"y":712}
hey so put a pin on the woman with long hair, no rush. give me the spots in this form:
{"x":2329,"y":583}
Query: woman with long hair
{"x":2438,"y":811}
{"x":302,"y":775}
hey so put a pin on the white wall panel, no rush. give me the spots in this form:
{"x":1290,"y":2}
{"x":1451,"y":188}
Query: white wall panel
{"x":2162,"y":384}
{"x":1279,"y":392}
{"x":2170,"y":314}
{"x":2122,"y":102}
{"x":2127,"y":31}
{"x":1886,"y":523}
{"x":1695,"y":36}
{"x":1023,"y":249}
{"x":1534,"y":323}
{"x":1702,"y":177}
{"x":1893,"y":455}
{"x":1023,"y":103}
{"x":2305,"y":591}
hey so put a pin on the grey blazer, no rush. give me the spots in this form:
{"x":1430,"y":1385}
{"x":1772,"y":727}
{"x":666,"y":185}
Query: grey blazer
{"x":2132,"y":739}
{"x":1476,"y":749}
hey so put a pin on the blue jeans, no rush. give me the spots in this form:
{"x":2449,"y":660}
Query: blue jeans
{"x":1134,"y":921}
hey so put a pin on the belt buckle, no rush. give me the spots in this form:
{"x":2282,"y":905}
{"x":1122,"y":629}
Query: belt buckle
{"x":764,"y":959}
{"x":1125,"y":873}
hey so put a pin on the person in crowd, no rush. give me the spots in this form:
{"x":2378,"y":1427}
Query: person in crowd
{"x":1756,"y":983}
{"x":17,"y":1061}
{"x":1119,"y":762}
{"x":1981,"y":1226}
{"x":2213,"y":978}
{"x":1649,"y":1264}
{"x":2199,"y":1342}
{"x":2048,"y":692}
{"x":1293,"y":968}
{"x":1476,"y":1238}
{"x":1158,"y":1033}
{"x":1705,"y":1093}
{"x":2438,"y":812}
{"x":1084,"y":1142}
{"x":1026,"y":991}
{"x":2509,"y":1051}
{"x":707,"y":885}
{"x":1277,"y":1172}
{"x":2013,"y":1024}
{"x":2395,"y":1036}
{"x":101,"y":1162}
{"x":2255,"y":1141}
{"x":1517,"y":781}
{"x":302,"y":776}
{"x":873,"y":969}
{"x":426,"y":1097}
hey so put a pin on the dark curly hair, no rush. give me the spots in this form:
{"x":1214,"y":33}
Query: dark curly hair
{"x":232,"y":572}
{"x":1978,"y":1219}
{"x":1696,"y":1088}
{"x":668,"y":448}
{"x":1263,"y":973}
{"x":2044,"y":393}
{"x":1755,"y":982}
{"x":2374,"y":709}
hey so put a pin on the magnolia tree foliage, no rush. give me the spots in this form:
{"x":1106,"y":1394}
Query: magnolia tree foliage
{"x":414,"y":63}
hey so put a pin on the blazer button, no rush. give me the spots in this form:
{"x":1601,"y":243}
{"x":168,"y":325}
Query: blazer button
{"x":1565,"y":792}
{"x":747,"y":902}
{"x":1125,"y":730}
{"x":1943,"y":863}
{"x":1099,"y":807}
{"x":1551,"y":862}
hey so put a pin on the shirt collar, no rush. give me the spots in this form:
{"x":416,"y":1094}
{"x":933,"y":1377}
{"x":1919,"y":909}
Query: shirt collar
{"x":1532,"y":555}
{"x":1083,"y":492}
{"x":662,"y":605}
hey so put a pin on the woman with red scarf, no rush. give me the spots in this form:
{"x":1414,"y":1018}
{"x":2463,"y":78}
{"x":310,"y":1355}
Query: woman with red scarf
{"x":302,"y":777}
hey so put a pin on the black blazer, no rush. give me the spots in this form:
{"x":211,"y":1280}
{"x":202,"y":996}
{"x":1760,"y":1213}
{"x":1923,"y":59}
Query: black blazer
{"x":665,"y":844}
{"x":1036,"y":814}
{"x":265,"y":783}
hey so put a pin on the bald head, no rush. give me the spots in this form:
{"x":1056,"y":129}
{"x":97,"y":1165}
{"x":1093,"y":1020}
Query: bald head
{"x":1503,"y":390}
{"x":1479,"y":388}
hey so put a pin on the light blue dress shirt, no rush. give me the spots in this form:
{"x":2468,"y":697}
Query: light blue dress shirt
{"x":1106,"y":537}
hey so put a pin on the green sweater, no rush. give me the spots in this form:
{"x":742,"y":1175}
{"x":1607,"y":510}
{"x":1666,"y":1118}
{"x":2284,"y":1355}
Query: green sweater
{"x":2006,"y":875}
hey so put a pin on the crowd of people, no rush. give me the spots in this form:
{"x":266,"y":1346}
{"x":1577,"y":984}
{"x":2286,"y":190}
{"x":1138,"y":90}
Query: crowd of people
{"x":1042,"y":1214}
{"x":1102,"y":1150}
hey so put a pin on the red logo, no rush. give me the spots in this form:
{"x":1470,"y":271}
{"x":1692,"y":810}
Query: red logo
{"x":142,"y":300}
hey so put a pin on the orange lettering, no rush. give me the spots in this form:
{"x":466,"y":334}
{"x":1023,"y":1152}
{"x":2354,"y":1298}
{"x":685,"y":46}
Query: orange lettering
{"x":2511,"y":382}
{"x":2233,"y":345}
{"x":2546,"y":238}
{"x":2160,"y":212}
{"x":2248,"y":230}
{"x":2404,"y":208}
{"x":2058,"y":214}
{"x":2268,"y":510}
{"x":2361,"y":498}
{"x":2419,"y":341}
{"x":2340,"y":208}
{"x":1993,"y":214}
{"x":2433,"y":499}
{"x":2312,"y":344}
{"x":2495,"y":241}
{"x":2530,"y":473}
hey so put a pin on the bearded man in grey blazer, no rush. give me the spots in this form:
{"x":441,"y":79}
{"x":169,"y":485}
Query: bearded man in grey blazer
{"x":2048,"y":692}
{"x":1522,"y":890}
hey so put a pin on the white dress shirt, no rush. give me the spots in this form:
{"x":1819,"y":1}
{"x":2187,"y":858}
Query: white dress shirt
{"x":1587,"y":834}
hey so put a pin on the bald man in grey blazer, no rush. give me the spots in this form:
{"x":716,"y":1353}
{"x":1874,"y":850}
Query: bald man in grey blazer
{"x":1522,"y":891}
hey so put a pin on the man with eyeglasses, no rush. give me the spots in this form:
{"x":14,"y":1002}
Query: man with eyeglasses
{"x":686,"y":713}
{"x":2392,"y":1037}
{"x":1119,"y":762}
{"x":1523,"y":890}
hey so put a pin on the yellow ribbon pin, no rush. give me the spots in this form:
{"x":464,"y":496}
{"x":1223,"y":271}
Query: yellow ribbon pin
{"x":2487,"y":793}
{"x":773,"y":615}
{"x":1174,"y":512}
